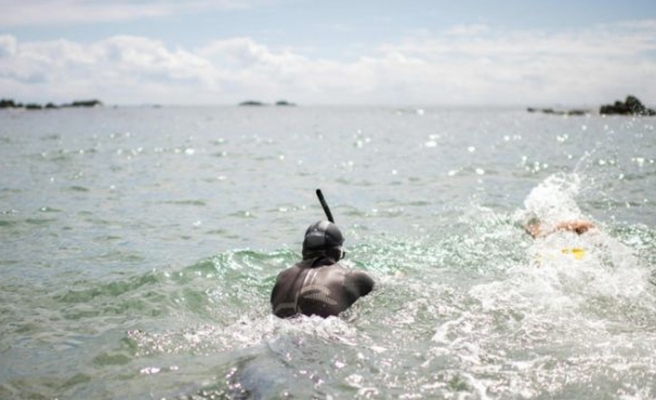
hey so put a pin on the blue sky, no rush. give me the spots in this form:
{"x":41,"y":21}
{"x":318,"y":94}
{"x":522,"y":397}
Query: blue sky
{"x":357,"y":52}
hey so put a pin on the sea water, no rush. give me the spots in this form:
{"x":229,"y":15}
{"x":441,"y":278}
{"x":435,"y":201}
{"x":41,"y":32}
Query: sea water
{"x":139,"y":246}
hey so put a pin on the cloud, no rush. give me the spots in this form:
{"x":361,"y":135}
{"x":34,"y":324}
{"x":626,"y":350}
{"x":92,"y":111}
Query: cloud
{"x":118,"y":65}
{"x":7,"y":45}
{"x":466,"y":30}
{"x":57,"y":12}
{"x":481,"y":65}
{"x":246,"y":53}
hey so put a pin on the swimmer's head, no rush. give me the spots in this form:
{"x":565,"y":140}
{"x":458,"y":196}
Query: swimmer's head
{"x":532,"y":220}
{"x":323,"y":238}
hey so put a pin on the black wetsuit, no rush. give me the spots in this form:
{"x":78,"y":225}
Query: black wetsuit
{"x":318,"y":287}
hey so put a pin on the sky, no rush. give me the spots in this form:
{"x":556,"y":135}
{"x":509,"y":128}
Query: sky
{"x":411,"y":52}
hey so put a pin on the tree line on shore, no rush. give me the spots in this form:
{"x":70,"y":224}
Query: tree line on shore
{"x":10,"y":103}
{"x":261,"y":103}
{"x":631,"y":106}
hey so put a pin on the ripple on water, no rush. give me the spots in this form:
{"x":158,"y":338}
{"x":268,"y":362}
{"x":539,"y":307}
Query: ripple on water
{"x":7,"y":224}
{"x":77,"y":188}
{"x":39,"y":221}
{"x":190,"y":202}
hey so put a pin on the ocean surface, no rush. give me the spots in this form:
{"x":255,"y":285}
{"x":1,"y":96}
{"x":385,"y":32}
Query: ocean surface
{"x":139,"y":246}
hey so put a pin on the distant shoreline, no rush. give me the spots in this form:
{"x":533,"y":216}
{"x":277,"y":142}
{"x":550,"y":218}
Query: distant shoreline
{"x":256,"y":103}
{"x":10,"y":103}
{"x":631,"y":106}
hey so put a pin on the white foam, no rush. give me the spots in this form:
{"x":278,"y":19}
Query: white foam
{"x":553,"y":200}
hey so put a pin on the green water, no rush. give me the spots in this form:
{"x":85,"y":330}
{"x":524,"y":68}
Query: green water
{"x":138,"y":249}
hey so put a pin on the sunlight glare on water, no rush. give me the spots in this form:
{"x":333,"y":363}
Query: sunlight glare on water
{"x":139,"y":247}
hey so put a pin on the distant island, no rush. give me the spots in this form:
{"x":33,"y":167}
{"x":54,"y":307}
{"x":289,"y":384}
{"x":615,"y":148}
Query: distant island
{"x":283,"y":103}
{"x":631,"y":106}
{"x":555,"y":112}
{"x":10,"y":103}
{"x":251,"y":103}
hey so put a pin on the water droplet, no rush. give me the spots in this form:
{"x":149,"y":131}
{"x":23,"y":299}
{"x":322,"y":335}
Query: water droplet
{"x":150,"y":370}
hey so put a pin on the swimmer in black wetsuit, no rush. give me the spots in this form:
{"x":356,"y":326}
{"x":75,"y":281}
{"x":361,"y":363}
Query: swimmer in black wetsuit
{"x":318,"y":285}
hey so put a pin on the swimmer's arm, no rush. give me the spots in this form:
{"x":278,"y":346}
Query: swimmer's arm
{"x":274,"y":292}
{"x":579,"y":226}
{"x":359,"y":283}
{"x":277,"y":287}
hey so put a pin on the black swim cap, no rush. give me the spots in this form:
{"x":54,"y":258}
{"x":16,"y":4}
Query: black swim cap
{"x":321,"y":237}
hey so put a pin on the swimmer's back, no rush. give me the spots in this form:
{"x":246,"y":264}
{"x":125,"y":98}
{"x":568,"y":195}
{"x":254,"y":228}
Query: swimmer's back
{"x":323,"y":291}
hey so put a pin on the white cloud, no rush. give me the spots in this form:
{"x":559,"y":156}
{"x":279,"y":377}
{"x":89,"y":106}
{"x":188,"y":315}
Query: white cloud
{"x":7,"y":45}
{"x":465,"y":66}
{"x":57,"y":12}
{"x":245,"y":53}
{"x":467,"y":30}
